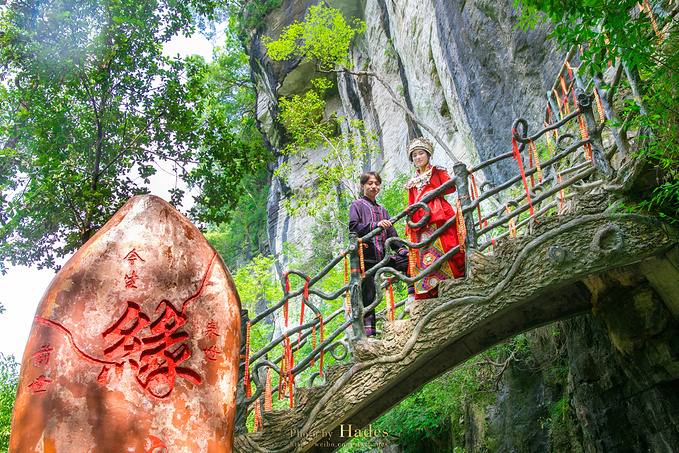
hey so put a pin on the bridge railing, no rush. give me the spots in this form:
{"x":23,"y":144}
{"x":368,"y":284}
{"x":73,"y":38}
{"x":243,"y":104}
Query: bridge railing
{"x":558,"y":161}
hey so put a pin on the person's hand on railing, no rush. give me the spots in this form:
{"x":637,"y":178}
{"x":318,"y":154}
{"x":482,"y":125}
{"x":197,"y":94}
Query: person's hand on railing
{"x":385,"y":224}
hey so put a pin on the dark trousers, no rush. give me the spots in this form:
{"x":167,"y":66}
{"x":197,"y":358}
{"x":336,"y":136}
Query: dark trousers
{"x":398,"y":262}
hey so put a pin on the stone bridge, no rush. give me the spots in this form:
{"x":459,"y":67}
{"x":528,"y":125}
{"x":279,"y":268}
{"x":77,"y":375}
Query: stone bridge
{"x":567,"y":261}
{"x":561,"y":270}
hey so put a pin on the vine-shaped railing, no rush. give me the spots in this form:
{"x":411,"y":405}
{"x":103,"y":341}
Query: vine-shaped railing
{"x":554,"y":164}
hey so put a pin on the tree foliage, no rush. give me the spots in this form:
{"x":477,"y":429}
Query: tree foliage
{"x":9,"y":378}
{"x":89,"y":105}
{"x":331,"y":184}
{"x":242,"y":239}
{"x":645,"y":38}
{"x":324,"y":36}
{"x":238,"y":156}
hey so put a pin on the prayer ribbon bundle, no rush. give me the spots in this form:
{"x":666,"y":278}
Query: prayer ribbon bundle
{"x":346,"y":281}
{"x":246,"y":377}
{"x":360,"y":256}
{"x":461,"y":227}
{"x":268,"y":403}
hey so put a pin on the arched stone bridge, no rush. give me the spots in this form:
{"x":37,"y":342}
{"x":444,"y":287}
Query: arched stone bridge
{"x":557,"y":272}
{"x":568,"y":259}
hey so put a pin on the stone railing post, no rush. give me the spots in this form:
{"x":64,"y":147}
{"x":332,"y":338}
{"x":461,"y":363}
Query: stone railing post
{"x":241,"y":408}
{"x":355,"y":286}
{"x":598,"y":154}
{"x":462,"y":183}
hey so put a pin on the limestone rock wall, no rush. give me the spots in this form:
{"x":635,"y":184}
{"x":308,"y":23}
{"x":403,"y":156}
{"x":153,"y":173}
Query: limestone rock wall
{"x":462,"y":67}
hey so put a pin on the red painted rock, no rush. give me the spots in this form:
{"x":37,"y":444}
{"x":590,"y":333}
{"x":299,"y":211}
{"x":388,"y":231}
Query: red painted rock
{"x":135,"y":344}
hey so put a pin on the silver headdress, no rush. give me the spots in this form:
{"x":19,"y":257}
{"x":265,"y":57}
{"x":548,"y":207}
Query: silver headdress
{"x":420,"y":143}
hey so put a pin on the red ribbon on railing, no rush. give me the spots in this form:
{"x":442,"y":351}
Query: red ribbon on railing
{"x":258,"y":417}
{"x":392,"y":305}
{"x":585,"y":136}
{"x":565,"y":95}
{"x":549,"y":142}
{"x":549,"y":114}
{"x":530,"y":165}
{"x":649,"y":10}
{"x":412,"y":237}
{"x":346,"y":281}
{"x":281,"y":379}
{"x":268,"y":403}
{"x":461,"y":227}
{"x":246,"y":377}
{"x":289,"y":365}
{"x":532,"y":148}
{"x":558,"y":102}
{"x":607,"y":42}
{"x":313,"y":340}
{"x":305,"y":297}
{"x":360,"y":255}
{"x":570,"y":72}
{"x":517,"y":156}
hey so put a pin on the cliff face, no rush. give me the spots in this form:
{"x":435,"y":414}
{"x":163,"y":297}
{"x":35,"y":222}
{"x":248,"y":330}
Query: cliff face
{"x":462,"y":67}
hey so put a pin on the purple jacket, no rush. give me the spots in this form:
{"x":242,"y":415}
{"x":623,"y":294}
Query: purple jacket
{"x":363,"y":217}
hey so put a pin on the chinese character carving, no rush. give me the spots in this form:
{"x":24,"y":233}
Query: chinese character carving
{"x":157,"y":363}
{"x":155,"y":445}
{"x":211,"y":330}
{"x":124,"y":332}
{"x":133,"y":256}
{"x":129,"y":280}
{"x":211,"y":353}
{"x":42,"y":357}
{"x":154,"y":349}
{"x":39,"y":384}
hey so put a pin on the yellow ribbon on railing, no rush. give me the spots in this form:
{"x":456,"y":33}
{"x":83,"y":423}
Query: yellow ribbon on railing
{"x":461,"y":227}
{"x":360,"y":256}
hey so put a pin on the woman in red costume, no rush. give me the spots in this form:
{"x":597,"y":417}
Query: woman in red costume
{"x":426,"y":179}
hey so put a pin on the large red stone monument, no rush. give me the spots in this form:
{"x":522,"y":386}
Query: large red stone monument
{"x":135,"y":344}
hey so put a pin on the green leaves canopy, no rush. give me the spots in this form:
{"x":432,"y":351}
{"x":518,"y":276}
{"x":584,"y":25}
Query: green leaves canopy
{"x":89,"y":104}
{"x":644,"y":36}
{"x":324,"y":37}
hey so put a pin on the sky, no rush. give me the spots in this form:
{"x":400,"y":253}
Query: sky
{"x":22,"y":288}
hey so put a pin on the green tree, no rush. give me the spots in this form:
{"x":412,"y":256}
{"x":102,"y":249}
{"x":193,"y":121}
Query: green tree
{"x":9,"y":378}
{"x":89,"y":105}
{"x":645,"y":40}
{"x":324,"y":36}
{"x":244,"y":237}
{"x":232,"y":175}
